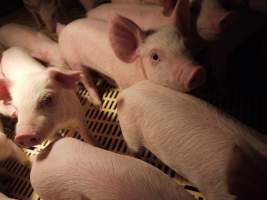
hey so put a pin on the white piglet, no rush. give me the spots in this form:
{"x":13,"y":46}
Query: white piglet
{"x":83,"y":171}
{"x":193,"y":138}
{"x":44,"y":98}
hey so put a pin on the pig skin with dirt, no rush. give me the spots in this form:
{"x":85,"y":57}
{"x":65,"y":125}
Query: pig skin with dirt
{"x":44,"y":98}
{"x":83,"y":171}
{"x":188,"y":135}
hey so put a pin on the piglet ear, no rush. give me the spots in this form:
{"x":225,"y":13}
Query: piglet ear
{"x":4,"y":92}
{"x":59,"y":28}
{"x":181,"y":16}
{"x":168,"y":6}
{"x":65,"y":78}
{"x":125,"y":37}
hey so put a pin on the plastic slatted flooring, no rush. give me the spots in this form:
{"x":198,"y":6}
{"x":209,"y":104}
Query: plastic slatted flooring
{"x":102,"y":123}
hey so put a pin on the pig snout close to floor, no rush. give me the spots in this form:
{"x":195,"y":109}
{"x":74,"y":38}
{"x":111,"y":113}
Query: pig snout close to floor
{"x":98,"y":174}
{"x":38,"y":44}
{"x":124,"y":52}
{"x":44,"y":12}
{"x":44,"y":98}
{"x":192,"y":130}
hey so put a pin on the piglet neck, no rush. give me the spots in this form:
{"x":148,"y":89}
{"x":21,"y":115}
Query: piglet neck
{"x":135,"y":72}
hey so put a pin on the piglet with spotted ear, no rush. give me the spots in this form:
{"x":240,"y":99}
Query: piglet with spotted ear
{"x":44,"y":97}
{"x":124,"y":52}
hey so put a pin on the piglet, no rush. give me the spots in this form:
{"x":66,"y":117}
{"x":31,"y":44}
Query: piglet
{"x":98,"y":174}
{"x":36,"y":43}
{"x":43,"y":11}
{"x":124,"y":52}
{"x":191,"y":137}
{"x":44,"y":98}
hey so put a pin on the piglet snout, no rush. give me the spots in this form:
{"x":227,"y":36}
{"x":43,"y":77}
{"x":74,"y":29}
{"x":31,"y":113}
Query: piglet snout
{"x":191,"y":76}
{"x":28,"y":140}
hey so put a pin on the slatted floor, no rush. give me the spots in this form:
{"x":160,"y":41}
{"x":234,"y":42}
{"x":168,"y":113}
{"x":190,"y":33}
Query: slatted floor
{"x":102,"y":123}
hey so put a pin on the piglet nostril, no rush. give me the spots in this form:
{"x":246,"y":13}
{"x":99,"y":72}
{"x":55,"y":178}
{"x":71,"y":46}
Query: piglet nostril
{"x":27,"y":140}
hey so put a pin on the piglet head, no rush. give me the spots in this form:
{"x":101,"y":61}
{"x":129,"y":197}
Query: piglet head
{"x":160,"y":54}
{"x":44,"y":106}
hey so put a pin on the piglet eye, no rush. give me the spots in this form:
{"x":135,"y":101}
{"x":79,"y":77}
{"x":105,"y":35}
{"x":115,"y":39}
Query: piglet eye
{"x":46,"y":101}
{"x":155,"y":58}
